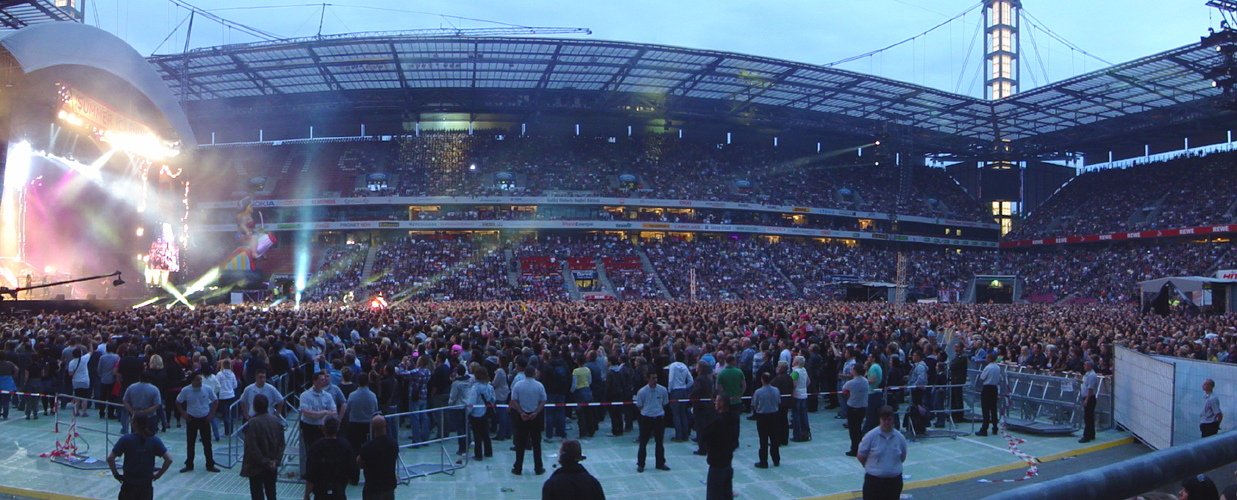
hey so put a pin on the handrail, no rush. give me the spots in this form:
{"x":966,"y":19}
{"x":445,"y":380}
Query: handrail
{"x":1134,"y":476}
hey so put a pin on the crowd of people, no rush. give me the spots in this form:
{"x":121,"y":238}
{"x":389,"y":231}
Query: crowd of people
{"x":755,"y":268}
{"x":439,"y":269}
{"x":661,"y":167}
{"x":1182,"y":192}
{"x":421,"y":354}
{"x":724,"y":269}
{"x":1178,"y":193}
{"x":339,"y":271}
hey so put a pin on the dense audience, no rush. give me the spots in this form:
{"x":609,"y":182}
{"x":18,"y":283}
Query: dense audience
{"x":338,"y":273}
{"x":725,"y":269}
{"x":284,"y":340}
{"x":750,"y":269}
{"x":661,"y":167}
{"x":439,"y":269}
{"x":1184,"y":192}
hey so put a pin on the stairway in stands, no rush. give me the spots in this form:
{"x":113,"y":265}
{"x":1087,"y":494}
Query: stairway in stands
{"x":369,"y":263}
{"x":603,"y":278}
{"x":785,"y":279}
{"x":648,"y":268}
{"x":513,"y":271}
{"x":569,"y":280}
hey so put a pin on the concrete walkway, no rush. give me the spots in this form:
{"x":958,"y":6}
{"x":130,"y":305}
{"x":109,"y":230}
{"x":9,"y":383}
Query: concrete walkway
{"x":817,"y":469}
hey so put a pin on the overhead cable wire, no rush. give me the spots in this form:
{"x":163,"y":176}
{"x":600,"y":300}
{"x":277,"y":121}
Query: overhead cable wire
{"x":248,"y":30}
{"x":169,"y":37}
{"x":1038,"y":58}
{"x":979,"y":28}
{"x":929,"y":30}
{"x":1037,"y":24}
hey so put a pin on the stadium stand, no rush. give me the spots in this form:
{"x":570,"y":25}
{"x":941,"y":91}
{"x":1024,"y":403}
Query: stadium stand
{"x":658,"y":167}
{"x":1185,"y":192}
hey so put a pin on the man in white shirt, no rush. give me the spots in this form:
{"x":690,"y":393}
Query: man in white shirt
{"x":652,"y":400}
{"x":259,"y":386}
{"x":1090,"y":388}
{"x":316,"y":404}
{"x":1209,"y":423}
{"x":680,"y":381}
{"x":881,"y":452}
{"x":527,"y":407}
{"x":990,"y":377}
{"x":197,"y":404}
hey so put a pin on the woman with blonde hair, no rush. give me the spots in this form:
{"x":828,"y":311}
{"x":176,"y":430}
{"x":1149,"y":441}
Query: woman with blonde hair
{"x":159,"y":377}
{"x":226,"y":381}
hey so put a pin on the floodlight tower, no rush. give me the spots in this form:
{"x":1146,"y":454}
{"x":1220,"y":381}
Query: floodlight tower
{"x":1001,"y":45}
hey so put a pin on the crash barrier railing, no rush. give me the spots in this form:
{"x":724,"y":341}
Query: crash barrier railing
{"x":1032,"y":397}
{"x":74,"y":450}
{"x":1134,"y":476}
{"x":234,"y":449}
{"x":440,"y":422}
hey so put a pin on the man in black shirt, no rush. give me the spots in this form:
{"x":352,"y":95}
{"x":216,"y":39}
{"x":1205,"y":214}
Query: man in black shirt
{"x":330,"y":465}
{"x":139,"y":451}
{"x":957,"y":378}
{"x":129,"y":368}
{"x":378,"y":457}
{"x":571,"y":481}
{"x":439,"y":391}
{"x":722,"y":434}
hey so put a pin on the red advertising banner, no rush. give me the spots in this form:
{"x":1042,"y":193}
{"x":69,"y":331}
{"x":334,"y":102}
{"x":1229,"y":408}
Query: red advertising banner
{"x":1132,"y":235}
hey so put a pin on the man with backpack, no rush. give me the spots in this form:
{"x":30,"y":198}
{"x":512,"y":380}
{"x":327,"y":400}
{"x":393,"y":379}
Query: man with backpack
{"x":556,"y":376}
{"x":139,"y":450}
{"x":618,"y":389}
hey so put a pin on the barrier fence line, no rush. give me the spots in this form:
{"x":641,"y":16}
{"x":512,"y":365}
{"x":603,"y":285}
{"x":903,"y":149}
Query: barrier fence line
{"x":35,"y":394}
{"x":699,"y":400}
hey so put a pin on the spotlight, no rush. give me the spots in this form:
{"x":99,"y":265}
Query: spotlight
{"x":117,"y":282}
{"x":141,"y":231}
{"x":878,"y":143}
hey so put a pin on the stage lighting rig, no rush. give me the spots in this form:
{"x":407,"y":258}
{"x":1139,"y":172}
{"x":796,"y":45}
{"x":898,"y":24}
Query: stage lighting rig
{"x":1224,"y":75}
{"x":1223,"y":5}
{"x":12,"y":292}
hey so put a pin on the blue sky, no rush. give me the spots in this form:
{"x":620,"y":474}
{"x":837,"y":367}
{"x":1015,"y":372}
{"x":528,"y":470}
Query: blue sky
{"x":817,"y":32}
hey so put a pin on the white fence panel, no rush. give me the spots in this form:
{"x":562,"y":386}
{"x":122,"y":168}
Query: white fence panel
{"x":1143,"y":390}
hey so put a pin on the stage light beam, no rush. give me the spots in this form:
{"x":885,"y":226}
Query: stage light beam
{"x":180,"y":297}
{"x":146,"y":303}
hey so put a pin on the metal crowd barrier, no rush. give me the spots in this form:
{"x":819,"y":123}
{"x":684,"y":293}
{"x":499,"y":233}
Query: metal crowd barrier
{"x":445,"y":464}
{"x":108,"y":430}
{"x":1041,"y":402}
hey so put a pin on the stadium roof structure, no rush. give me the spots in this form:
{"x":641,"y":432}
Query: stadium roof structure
{"x":1152,"y":92}
{"x":419,"y":74}
{"x":17,"y":14}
